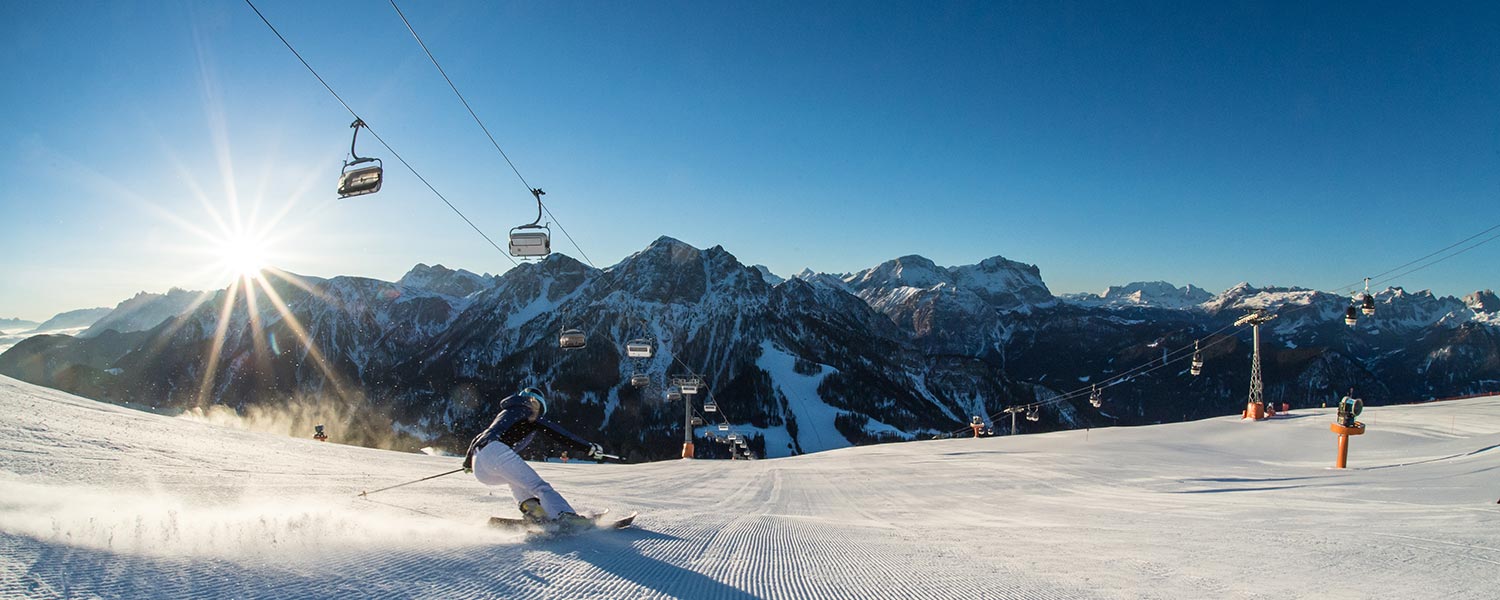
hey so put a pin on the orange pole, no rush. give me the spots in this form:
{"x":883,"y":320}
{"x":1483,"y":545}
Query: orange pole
{"x":687,"y":449}
{"x":1343,"y":451}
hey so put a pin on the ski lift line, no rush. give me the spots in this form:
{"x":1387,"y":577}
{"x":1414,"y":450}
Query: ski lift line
{"x":529,"y":189}
{"x":1445,"y":249}
{"x":1119,"y":379}
{"x":560,"y":227}
{"x":460,"y":96}
{"x":1414,"y":270}
{"x":1151,"y":365}
{"x":372,"y":131}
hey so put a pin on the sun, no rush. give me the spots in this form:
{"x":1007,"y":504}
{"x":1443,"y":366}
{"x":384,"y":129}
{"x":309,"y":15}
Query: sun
{"x":243,"y":256}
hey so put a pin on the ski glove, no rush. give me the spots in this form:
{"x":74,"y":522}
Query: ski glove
{"x":596,"y":452}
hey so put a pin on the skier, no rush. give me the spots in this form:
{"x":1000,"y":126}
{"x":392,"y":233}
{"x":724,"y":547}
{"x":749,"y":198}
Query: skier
{"x":494,"y":457}
{"x":319,"y":435}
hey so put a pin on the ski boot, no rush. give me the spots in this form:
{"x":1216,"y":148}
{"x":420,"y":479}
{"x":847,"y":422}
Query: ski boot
{"x":531,"y":510}
{"x":570,"y":522}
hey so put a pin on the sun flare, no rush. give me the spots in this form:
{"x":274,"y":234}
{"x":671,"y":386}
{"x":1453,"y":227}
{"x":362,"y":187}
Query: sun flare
{"x":243,"y":256}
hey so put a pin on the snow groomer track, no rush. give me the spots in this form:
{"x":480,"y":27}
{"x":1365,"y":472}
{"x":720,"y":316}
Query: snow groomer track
{"x":97,"y":500}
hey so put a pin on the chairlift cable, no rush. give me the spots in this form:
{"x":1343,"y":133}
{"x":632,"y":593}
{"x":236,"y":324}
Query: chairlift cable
{"x":1118,"y":379}
{"x":460,"y":96}
{"x":372,"y":131}
{"x":1445,"y":249}
{"x":1414,"y":270}
{"x":541,"y":205}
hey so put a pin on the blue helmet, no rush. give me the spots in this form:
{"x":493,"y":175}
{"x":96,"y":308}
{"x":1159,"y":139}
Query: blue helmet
{"x":538,"y":403}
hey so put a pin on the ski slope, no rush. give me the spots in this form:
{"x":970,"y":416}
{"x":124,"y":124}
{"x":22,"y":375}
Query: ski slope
{"x":98,"y":500}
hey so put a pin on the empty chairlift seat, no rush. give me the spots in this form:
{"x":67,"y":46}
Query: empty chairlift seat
{"x":640,"y":380}
{"x":710,"y":406}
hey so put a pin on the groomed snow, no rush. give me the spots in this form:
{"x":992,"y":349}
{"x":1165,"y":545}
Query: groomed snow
{"x":97,"y":500}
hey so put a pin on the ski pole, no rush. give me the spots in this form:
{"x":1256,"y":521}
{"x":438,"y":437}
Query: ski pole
{"x":410,"y":482}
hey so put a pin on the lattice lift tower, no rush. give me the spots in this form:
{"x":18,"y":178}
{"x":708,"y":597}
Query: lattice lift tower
{"x":1255,"y":407}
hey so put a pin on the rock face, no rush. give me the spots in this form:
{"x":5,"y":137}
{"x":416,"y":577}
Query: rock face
{"x":901,"y":350}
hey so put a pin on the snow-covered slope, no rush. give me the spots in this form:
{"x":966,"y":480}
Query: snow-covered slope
{"x":98,"y":500}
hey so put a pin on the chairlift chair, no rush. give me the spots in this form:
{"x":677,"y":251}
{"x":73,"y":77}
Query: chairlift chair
{"x":710,"y":406}
{"x":697,"y":421}
{"x":690,"y":387}
{"x":1033,"y":414}
{"x":673,"y":395}
{"x":533,"y":239}
{"x":571,"y":339}
{"x":362,"y":180}
{"x":638,"y":348}
{"x":640,"y":380}
{"x":723,"y":427}
{"x":1197,"y":368}
{"x":734,"y":437}
{"x":1094,"y":398}
{"x":530,"y":241}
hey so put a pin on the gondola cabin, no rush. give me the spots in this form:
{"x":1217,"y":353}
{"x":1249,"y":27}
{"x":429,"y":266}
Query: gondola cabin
{"x":571,"y":339}
{"x":1350,"y":317}
{"x":1367,"y":305}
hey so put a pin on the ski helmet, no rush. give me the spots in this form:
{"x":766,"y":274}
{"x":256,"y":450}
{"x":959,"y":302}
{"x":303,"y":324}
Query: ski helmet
{"x":538,"y":403}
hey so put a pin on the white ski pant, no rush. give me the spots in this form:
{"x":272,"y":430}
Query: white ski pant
{"x":497,"y":464}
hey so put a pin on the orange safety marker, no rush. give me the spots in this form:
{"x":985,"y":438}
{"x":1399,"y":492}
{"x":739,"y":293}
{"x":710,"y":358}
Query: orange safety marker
{"x":1344,"y":433}
{"x":687,"y":449}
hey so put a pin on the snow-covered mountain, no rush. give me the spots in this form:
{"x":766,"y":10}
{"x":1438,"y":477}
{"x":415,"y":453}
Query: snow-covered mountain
{"x":72,"y":319}
{"x":145,"y":311}
{"x":766,"y":274}
{"x":950,"y":310}
{"x":1157,"y":294}
{"x":442,"y":280}
{"x":817,"y":361}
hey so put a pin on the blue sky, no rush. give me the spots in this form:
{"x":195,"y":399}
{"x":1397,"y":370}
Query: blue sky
{"x":1301,"y":144}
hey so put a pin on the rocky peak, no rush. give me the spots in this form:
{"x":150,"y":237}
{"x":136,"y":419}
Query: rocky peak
{"x":1483,"y":301}
{"x":442,"y":280}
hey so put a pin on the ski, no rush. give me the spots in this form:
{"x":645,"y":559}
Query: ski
{"x":597,"y":519}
